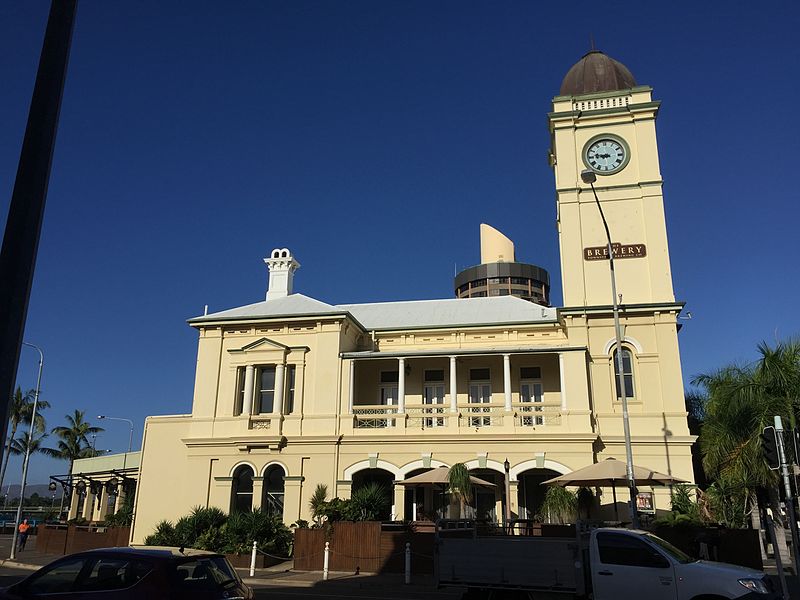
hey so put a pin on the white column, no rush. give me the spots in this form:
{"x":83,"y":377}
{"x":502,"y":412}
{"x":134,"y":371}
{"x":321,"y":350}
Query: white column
{"x":453,"y":385}
{"x":507,"y":381}
{"x":561,"y":381}
{"x":88,"y":504}
{"x":102,"y":505}
{"x":277,"y":403}
{"x":401,"y":385}
{"x":120,"y":499}
{"x":74,"y":501}
{"x":249,"y":376}
{"x":351,"y":399}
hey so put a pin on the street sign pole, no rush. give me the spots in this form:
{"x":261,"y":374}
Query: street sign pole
{"x":789,"y":499}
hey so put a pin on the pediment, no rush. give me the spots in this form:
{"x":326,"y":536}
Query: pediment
{"x":261,"y":344}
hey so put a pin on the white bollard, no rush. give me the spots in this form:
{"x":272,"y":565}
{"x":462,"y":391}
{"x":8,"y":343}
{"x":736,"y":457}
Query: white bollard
{"x":253,"y":559}
{"x":408,"y":562}
{"x":325,"y":564}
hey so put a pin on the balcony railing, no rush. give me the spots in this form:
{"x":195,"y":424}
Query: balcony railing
{"x":469,"y":415}
{"x":375,"y":416}
{"x":532,"y":414}
{"x":426,"y":416}
{"x":481,"y":415}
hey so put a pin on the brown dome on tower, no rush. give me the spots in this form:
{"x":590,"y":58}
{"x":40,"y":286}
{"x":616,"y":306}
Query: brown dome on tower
{"x":596,"y":72}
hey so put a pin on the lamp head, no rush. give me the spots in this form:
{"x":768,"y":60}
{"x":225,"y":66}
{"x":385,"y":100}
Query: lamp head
{"x":588,"y":176}
{"x":506,"y":465}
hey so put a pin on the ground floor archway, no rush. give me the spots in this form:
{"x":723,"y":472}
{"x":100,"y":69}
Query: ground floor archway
{"x":381,"y":477}
{"x":530,"y":491}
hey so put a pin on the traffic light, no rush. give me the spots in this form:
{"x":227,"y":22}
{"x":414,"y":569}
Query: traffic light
{"x":769,"y":445}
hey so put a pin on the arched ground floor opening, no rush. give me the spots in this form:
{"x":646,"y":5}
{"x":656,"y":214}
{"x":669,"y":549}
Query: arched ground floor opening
{"x":530,"y":491}
{"x":381,"y":477}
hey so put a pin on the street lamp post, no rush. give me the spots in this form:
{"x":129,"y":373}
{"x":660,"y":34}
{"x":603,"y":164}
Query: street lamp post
{"x":507,"y":515}
{"x":27,"y":451}
{"x":130,"y":438}
{"x":589,"y":176}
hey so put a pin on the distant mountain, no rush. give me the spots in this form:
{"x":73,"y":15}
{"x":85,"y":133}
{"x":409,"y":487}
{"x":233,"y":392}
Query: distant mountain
{"x":37,"y":488}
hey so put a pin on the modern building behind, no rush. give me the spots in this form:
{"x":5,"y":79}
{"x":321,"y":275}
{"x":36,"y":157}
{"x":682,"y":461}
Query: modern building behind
{"x":98,"y":486}
{"x":292,"y":392}
{"x":499,"y":274}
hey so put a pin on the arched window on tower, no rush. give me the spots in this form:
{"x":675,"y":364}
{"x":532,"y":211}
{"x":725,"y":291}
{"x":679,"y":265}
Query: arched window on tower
{"x":242,"y":489}
{"x":627,"y":371}
{"x":272,"y":499}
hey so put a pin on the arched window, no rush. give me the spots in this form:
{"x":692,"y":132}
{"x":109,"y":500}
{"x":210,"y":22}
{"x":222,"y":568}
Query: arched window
{"x":242,"y":489}
{"x":627,"y":371}
{"x":272,"y":499}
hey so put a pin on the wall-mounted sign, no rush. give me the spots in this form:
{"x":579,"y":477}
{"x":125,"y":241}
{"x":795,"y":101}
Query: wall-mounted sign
{"x":644,"y":502}
{"x":619,"y":250}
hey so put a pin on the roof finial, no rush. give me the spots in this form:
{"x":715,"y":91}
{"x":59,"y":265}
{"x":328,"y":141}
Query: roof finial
{"x":591,"y":41}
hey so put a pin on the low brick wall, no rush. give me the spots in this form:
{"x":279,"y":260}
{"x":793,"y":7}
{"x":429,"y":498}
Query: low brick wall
{"x":66,"y":539}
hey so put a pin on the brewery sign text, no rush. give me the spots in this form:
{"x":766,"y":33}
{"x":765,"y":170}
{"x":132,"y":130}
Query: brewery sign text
{"x":619,"y":250}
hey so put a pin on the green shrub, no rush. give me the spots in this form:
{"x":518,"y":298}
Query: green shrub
{"x":211,"y":529}
{"x":124,"y":516}
{"x":682,"y":502}
{"x":559,"y":505}
{"x":675,"y":519}
{"x":164,"y":535}
{"x":267,"y":530}
{"x":369,"y":502}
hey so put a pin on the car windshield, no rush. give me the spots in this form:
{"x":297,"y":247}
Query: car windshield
{"x":674,"y":552}
{"x":205,"y":573}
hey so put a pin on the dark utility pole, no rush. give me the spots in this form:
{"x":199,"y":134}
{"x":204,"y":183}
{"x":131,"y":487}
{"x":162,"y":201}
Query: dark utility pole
{"x":790,"y":512}
{"x":24,"y":224}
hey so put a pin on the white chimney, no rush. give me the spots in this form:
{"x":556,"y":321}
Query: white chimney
{"x":281,"y":273}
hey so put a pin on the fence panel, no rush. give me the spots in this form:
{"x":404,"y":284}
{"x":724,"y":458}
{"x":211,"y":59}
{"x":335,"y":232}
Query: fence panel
{"x":363,"y":547}
{"x":308,"y":547}
{"x":356,"y":547}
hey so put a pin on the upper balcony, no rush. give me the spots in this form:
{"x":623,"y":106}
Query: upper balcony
{"x":497,"y":392}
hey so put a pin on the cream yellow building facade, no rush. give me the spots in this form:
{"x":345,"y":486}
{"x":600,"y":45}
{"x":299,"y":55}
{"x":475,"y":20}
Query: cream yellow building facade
{"x":291,"y":392}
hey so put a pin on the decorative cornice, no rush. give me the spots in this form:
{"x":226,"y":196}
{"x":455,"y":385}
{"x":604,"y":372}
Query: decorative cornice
{"x":461,"y":352}
{"x":624,"y":308}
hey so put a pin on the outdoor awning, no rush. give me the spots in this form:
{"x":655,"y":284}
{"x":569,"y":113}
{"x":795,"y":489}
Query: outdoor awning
{"x":611,"y":472}
{"x":440,"y":475}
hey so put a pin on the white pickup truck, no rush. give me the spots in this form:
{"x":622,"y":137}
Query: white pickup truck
{"x":601,"y":564}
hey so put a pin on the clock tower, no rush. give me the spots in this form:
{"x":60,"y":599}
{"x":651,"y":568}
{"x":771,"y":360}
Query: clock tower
{"x":603,"y":121}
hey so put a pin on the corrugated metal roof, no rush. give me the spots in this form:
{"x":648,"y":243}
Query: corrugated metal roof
{"x":448,"y":313}
{"x":288,"y":306}
{"x":415,"y":314}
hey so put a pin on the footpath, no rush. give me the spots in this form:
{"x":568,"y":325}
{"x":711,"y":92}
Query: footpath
{"x":283,"y":575}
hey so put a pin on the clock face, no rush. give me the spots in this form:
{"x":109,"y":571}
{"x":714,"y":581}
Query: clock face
{"x":606,"y":156}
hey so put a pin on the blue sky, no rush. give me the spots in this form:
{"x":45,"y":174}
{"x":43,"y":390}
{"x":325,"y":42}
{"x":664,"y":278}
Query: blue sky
{"x":372,"y":138}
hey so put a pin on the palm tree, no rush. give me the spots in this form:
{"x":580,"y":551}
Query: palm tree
{"x":740,"y":402}
{"x":460,"y":485}
{"x":73,"y":440}
{"x":559,"y":505}
{"x":19,"y":413}
{"x":317,"y":503}
{"x":20,"y":445}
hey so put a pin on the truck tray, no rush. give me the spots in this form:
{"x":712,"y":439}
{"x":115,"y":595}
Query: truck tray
{"x":508,"y":561}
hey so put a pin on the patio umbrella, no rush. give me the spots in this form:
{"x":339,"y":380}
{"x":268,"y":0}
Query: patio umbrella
{"x":439,"y":476}
{"x":610,"y":473}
